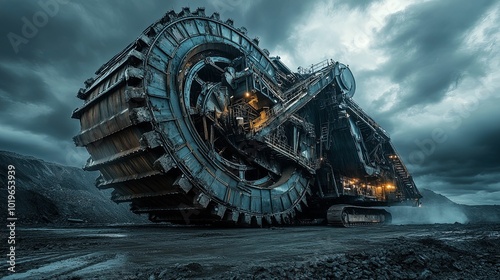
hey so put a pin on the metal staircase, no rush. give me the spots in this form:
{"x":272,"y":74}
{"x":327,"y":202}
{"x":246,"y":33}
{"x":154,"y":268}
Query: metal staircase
{"x":281,"y":149}
{"x":403,"y":178}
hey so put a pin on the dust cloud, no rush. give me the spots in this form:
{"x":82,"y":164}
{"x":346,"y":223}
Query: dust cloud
{"x":430,"y":214}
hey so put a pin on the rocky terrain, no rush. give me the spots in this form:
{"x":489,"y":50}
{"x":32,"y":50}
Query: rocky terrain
{"x":402,"y":258}
{"x":440,"y":251}
{"x":49,"y":193}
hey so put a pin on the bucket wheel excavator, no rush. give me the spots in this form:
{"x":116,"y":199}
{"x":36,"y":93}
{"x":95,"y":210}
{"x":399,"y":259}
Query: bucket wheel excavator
{"x":194,"y":123}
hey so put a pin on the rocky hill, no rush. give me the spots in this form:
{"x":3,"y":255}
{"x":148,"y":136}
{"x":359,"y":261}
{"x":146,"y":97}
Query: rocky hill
{"x":52,"y":193}
{"x":438,"y":209}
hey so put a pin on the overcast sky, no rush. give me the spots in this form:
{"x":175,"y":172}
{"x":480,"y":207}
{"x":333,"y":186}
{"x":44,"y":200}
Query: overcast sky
{"x":427,"y":71}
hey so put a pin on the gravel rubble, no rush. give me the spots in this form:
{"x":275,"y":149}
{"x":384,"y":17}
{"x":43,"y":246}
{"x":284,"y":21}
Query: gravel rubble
{"x":401,"y":258}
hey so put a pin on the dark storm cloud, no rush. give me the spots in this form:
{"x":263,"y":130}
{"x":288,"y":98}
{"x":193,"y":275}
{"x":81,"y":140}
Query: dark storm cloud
{"x":371,"y":105}
{"x":22,"y":85}
{"x":424,"y":42}
{"x":466,"y":157}
{"x":81,"y":36}
{"x":464,"y":160}
{"x":54,"y":123}
{"x":357,"y":4}
{"x":274,"y":21}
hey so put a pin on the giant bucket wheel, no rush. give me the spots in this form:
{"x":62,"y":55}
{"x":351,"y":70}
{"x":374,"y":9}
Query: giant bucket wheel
{"x":151,"y":123}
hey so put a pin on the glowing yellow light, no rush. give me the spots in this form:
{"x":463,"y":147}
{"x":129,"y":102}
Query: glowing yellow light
{"x":247,"y":94}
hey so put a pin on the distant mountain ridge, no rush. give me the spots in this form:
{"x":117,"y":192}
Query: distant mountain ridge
{"x":437,"y":208}
{"x":48,"y":192}
{"x":431,"y":197}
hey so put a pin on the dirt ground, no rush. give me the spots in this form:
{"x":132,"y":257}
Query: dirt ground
{"x":453,"y":251}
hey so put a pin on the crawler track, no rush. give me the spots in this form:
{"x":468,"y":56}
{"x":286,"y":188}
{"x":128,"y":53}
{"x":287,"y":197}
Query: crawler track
{"x":349,"y":216}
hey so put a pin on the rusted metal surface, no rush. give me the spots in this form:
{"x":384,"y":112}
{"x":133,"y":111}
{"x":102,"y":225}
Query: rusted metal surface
{"x":194,"y":123}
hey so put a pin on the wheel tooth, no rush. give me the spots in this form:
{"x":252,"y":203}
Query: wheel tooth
{"x":247,"y":219}
{"x":234,"y":216}
{"x":140,"y":115}
{"x":298,"y":207}
{"x":99,"y":180}
{"x":133,"y":72}
{"x":78,"y":142}
{"x":150,"y":32}
{"x":170,"y":15}
{"x":183,"y":183}
{"x":186,"y":11}
{"x":135,"y":56}
{"x":289,"y":217}
{"x":268,"y":219}
{"x":243,"y":30}
{"x":202,"y":199}
{"x":258,"y":219}
{"x":304,"y":200}
{"x":200,"y":11}
{"x":164,"y":20}
{"x":164,"y":163}
{"x":150,"y":140}
{"x":219,"y":210}
{"x":81,"y":93}
{"x":135,"y":94}
{"x":256,"y":40}
{"x":285,"y":218}
{"x":89,"y":82}
{"x":157,"y":27}
{"x":142,"y":41}
{"x":230,"y":22}
{"x":277,"y":218}
{"x":215,"y":16}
